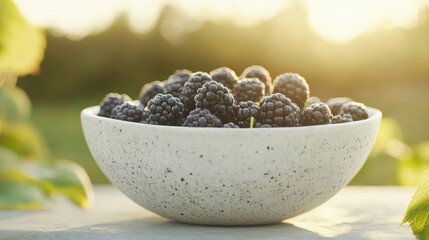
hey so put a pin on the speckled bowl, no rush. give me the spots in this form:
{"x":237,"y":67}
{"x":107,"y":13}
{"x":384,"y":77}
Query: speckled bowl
{"x":218,"y":176}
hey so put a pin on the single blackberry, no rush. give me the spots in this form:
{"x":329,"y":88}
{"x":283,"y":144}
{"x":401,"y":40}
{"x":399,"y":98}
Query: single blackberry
{"x":202,"y":118}
{"x":335,"y":104}
{"x":245,"y":111}
{"x":216,"y":98}
{"x":130,"y":112}
{"x":316,"y":114}
{"x":293,"y":86}
{"x":195,"y":81}
{"x":342,"y":118}
{"x":110,"y":101}
{"x":261,"y":73}
{"x":230,"y":125}
{"x":149,"y":90}
{"x":225,"y":76}
{"x":165,"y":110}
{"x":249,"y":89}
{"x":355,"y":109}
{"x":279,"y":111}
{"x":175,"y":82}
{"x":311,"y":100}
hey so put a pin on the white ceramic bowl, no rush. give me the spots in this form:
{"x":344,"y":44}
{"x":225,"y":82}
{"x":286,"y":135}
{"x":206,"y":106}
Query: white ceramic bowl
{"x":219,"y":176}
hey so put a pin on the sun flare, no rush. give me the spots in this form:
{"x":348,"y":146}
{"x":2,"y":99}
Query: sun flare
{"x":335,"y":20}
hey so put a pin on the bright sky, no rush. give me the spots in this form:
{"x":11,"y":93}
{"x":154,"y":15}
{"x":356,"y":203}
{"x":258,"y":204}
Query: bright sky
{"x":335,"y":20}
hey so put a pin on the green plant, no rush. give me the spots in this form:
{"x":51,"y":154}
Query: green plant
{"x":417,"y":214}
{"x":28,"y":179}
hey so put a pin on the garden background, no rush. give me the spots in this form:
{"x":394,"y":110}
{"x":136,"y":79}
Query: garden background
{"x":384,"y":64}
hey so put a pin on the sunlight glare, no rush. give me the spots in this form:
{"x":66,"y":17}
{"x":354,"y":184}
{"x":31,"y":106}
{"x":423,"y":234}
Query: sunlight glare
{"x":74,"y":18}
{"x":334,"y":20}
{"x":343,"y":20}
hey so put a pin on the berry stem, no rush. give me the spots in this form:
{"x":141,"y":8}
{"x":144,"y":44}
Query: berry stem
{"x":252,"y":121}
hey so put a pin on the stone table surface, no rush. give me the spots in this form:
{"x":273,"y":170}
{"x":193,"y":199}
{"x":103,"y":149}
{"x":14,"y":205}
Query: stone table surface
{"x":354,"y":213}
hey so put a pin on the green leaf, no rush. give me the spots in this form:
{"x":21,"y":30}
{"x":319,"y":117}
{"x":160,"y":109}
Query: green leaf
{"x":14,"y":104}
{"x":21,"y":45}
{"x":23,"y":139}
{"x":21,"y":196}
{"x":63,"y":178}
{"x":417,"y":214}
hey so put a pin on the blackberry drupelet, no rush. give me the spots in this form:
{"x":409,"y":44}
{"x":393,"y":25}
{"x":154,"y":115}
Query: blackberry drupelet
{"x":202,"y":118}
{"x":145,"y":116}
{"x":293,"y":86}
{"x":230,"y":125}
{"x":225,"y":76}
{"x":261,"y":73}
{"x":245,"y":111}
{"x":249,"y":89}
{"x":130,"y":112}
{"x":355,"y":109}
{"x":316,"y":114}
{"x":150,"y":90}
{"x":164,"y":109}
{"x":174,"y":84}
{"x":195,"y":81}
{"x":335,"y":104}
{"x":110,"y":101}
{"x":342,"y":118}
{"x":216,"y":98}
{"x":279,"y":111}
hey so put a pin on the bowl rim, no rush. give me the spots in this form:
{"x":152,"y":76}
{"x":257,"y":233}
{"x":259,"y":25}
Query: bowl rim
{"x":374,"y":114}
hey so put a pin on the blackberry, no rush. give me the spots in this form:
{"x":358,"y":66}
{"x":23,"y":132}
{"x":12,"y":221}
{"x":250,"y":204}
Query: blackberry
{"x":335,"y":104}
{"x":245,"y":111}
{"x":149,"y":90}
{"x":342,"y":118}
{"x":279,"y":111}
{"x":355,"y":109}
{"x":261,"y":73}
{"x":293,"y":86}
{"x":250,"y":89}
{"x":312,"y":100}
{"x":230,"y":125}
{"x":225,"y":76}
{"x":202,"y":118}
{"x":130,"y":112}
{"x":216,"y":98}
{"x":195,"y":81}
{"x":165,"y":110}
{"x":174,"y":84}
{"x":316,"y":114}
{"x":110,"y":101}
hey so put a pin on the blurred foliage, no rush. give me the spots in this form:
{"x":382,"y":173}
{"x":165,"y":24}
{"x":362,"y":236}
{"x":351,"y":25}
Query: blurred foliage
{"x":23,"y":139}
{"x":29,"y":185}
{"x":392,"y":161}
{"x":14,"y":105}
{"x":28,"y":179}
{"x":385,"y":68}
{"x":21,"y":45}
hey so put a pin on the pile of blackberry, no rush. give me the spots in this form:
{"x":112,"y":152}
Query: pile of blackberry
{"x":223,"y":100}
